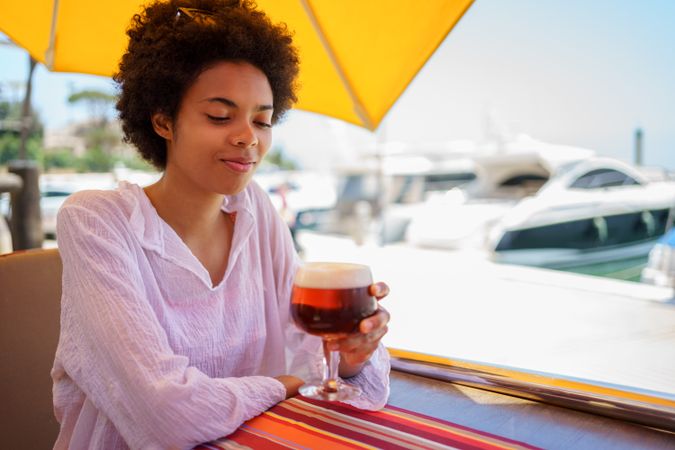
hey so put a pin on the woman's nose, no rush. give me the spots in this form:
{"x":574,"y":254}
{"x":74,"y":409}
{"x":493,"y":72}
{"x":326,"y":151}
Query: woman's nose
{"x":244,"y":136}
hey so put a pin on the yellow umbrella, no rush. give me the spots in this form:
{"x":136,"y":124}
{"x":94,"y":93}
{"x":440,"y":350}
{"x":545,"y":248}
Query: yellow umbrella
{"x":357,"y":56}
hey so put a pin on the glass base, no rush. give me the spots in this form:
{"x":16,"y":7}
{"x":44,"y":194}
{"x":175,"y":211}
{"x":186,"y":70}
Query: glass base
{"x":338,"y":392}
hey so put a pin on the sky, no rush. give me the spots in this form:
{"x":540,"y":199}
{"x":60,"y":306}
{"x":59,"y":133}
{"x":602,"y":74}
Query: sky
{"x":576,"y":72}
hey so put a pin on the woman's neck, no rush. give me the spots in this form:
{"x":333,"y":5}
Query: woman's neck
{"x":189,"y":210}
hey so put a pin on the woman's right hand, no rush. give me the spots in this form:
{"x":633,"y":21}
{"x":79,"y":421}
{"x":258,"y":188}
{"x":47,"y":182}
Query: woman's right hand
{"x":291,"y":383}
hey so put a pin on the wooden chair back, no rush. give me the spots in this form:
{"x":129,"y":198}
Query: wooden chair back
{"x":30,"y":306}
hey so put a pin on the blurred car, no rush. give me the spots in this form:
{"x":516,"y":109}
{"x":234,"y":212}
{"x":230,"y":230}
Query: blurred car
{"x":54,"y":190}
{"x":5,"y":235}
{"x":51,"y":200}
{"x":304,"y":199}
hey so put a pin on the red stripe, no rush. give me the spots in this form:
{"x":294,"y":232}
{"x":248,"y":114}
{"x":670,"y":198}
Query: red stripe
{"x":244,"y":437}
{"x":340,"y":431}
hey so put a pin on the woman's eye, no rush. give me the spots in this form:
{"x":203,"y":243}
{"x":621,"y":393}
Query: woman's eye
{"x":217,"y":118}
{"x":264,"y":124}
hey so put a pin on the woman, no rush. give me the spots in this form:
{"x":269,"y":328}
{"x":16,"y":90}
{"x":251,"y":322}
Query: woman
{"x":175,"y":321}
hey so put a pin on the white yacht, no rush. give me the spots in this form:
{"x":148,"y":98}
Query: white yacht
{"x":596,"y":210}
{"x":591,"y":210}
{"x":504,"y":175}
{"x":383,"y":196}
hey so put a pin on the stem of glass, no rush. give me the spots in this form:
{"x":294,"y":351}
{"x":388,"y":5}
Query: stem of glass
{"x":330,"y":369}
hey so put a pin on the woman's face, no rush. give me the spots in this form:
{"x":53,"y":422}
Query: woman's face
{"x":222,"y":130}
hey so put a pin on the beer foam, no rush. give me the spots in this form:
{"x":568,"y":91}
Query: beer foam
{"x":332,"y":275}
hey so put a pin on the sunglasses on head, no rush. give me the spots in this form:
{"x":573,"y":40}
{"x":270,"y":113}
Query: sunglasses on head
{"x":202,"y":16}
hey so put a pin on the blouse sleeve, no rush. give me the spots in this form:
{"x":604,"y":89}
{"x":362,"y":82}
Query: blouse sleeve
{"x":304,"y":352}
{"x":114,"y":348}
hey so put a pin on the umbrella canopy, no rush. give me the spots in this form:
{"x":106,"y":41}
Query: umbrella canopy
{"x":357,"y":56}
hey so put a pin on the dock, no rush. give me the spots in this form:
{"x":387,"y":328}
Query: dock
{"x":462,"y":305}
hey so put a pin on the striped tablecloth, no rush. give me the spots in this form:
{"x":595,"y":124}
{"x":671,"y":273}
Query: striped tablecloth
{"x":301,"y":423}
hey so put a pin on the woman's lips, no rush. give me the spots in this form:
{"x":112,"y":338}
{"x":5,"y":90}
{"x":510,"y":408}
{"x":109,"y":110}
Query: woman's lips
{"x":237,"y":166}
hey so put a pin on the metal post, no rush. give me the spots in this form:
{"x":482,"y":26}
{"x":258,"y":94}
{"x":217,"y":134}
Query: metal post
{"x":382,"y":197}
{"x":638,"y":146}
{"x":26,"y":220}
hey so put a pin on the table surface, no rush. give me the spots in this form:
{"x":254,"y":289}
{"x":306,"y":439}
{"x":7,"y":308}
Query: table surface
{"x":527,"y":421}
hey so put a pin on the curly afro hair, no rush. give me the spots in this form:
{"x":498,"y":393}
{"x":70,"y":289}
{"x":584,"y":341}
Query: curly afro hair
{"x":169,"y":48}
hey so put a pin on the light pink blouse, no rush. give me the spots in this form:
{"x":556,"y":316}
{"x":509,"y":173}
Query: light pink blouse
{"x":151,"y":355}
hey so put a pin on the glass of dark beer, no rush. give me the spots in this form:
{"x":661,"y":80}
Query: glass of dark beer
{"x":330,"y":300}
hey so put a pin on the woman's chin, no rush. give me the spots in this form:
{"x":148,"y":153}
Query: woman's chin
{"x":233,"y":188}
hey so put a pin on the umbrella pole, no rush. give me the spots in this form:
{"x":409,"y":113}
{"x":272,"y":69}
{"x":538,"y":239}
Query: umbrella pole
{"x":49,"y":54}
{"x":356,"y":101}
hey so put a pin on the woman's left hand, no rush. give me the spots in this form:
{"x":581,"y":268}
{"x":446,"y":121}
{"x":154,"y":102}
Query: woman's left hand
{"x":358,"y":347}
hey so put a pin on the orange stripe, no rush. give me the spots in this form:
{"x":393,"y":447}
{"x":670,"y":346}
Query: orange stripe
{"x":301,"y":433}
{"x":348,"y":442}
{"x":264,"y":436}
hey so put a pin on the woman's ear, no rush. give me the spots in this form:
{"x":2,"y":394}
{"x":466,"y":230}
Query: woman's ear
{"x":162,"y":126}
